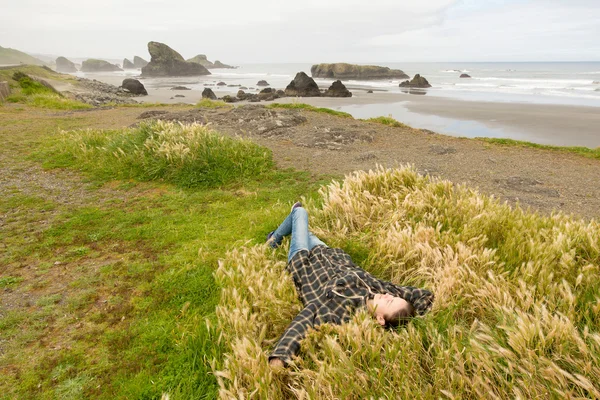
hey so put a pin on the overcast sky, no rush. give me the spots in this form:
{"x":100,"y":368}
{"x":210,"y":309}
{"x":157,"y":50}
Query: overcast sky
{"x":242,"y":31}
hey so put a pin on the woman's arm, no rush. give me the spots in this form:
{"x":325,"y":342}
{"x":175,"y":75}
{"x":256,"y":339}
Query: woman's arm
{"x":289,"y":344}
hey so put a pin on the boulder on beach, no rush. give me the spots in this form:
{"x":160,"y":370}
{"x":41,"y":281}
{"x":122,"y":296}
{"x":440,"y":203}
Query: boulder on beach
{"x":128,"y":64}
{"x":65,"y":65}
{"x":167,"y":62}
{"x":139,"y":62}
{"x":229,"y":99}
{"x":353,"y":71}
{"x":221,"y":84}
{"x":94,"y":65}
{"x":337,"y":89}
{"x":207,"y":93}
{"x":134,"y":86}
{"x":465,"y":76}
{"x":180,"y":88}
{"x":262,"y":83}
{"x":417,"y":82}
{"x":303,"y":86}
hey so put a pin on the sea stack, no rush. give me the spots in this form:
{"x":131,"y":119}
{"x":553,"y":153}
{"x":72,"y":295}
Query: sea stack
{"x":303,"y":86}
{"x":346,"y":71}
{"x":167,"y":62}
{"x":65,"y":65}
{"x":94,"y":65}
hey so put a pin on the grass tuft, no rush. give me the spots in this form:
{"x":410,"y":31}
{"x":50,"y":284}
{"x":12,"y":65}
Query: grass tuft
{"x":387,"y":121}
{"x":584,"y":151}
{"x":185,"y":155}
{"x":308,"y":107}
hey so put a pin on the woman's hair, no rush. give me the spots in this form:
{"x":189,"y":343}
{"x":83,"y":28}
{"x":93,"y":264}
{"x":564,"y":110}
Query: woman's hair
{"x":402,"y":316}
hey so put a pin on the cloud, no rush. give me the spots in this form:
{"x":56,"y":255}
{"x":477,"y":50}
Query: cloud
{"x":310,"y":30}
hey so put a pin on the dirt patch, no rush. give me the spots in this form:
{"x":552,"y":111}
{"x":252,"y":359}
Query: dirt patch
{"x":544,"y":180}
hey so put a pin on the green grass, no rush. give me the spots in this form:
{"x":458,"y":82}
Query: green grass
{"x":120,"y":288}
{"x":208,"y":103}
{"x":389,"y":121}
{"x":584,"y":151}
{"x":302,"y":106}
{"x":32,"y":92}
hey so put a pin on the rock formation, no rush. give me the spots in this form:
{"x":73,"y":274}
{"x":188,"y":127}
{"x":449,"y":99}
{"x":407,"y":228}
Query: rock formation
{"x":219,"y":64}
{"x":262,"y":83}
{"x":337,"y":89}
{"x":417,"y":82}
{"x":139,"y":62}
{"x":65,"y":65}
{"x":180,"y":88}
{"x":207,"y":93}
{"x":352,"y":71}
{"x":465,"y":76}
{"x":134,"y":86}
{"x":93,"y":65}
{"x":203,"y":60}
{"x":128,"y":64}
{"x":303,"y":86}
{"x":221,"y":84}
{"x":167,"y":62}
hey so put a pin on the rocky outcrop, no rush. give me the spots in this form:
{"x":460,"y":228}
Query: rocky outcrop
{"x":128,"y":64}
{"x":465,"y":76}
{"x":134,"y":87}
{"x":337,"y":89}
{"x":207,"y":93}
{"x":203,"y":60}
{"x":180,"y":88}
{"x":351,"y":71}
{"x":65,"y":65}
{"x":93,"y":65}
{"x":417,"y":82}
{"x":99,"y":93}
{"x":262,"y":83}
{"x":4,"y":90}
{"x":167,"y":62}
{"x":221,"y":84}
{"x":303,"y":86}
{"x":139,"y":62}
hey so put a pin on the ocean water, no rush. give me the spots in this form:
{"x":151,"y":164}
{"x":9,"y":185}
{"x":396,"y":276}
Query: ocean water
{"x":560,"y":83}
{"x":568,"y":83}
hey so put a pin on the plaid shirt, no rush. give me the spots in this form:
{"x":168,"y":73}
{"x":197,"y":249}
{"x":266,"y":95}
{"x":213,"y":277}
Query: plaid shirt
{"x":331,"y":288}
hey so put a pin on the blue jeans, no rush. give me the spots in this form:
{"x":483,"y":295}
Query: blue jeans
{"x":296,"y":224}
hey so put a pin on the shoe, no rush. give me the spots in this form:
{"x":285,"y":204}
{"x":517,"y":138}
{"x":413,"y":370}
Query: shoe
{"x":271,"y":240}
{"x":296,"y":205}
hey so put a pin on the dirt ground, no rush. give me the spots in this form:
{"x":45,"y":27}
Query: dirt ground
{"x":543,"y":180}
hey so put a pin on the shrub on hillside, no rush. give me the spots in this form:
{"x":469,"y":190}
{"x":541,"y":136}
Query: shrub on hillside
{"x":186,"y":155}
{"x":516,"y":313}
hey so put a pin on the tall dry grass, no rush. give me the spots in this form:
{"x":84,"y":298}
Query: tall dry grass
{"x":516,"y":315}
{"x":189,"y":155}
